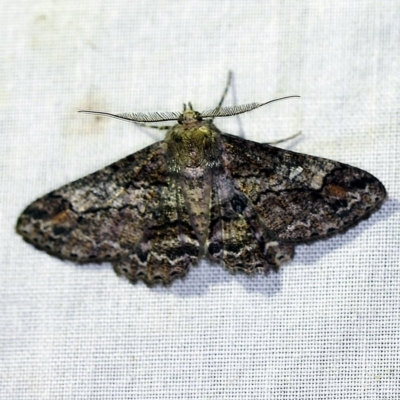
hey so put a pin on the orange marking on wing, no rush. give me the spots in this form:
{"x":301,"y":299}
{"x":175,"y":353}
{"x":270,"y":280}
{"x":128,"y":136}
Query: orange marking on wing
{"x":61,"y":217}
{"x":336,"y":190}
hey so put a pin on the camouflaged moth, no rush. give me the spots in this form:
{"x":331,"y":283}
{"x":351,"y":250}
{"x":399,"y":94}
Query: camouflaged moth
{"x":199,"y":193}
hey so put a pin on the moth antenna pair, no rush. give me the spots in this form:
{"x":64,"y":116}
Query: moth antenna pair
{"x":143,"y":119}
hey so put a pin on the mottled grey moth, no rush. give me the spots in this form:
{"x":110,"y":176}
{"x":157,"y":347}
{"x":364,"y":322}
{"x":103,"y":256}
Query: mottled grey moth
{"x":199,"y":193}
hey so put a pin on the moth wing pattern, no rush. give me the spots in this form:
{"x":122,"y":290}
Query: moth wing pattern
{"x":98,"y":217}
{"x":237,"y":239}
{"x":168,"y":246}
{"x":299,"y":198}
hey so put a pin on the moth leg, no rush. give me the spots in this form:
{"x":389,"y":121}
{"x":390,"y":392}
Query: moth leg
{"x":285,"y":139}
{"x":225,"y":92}
{"x":160,"y":128}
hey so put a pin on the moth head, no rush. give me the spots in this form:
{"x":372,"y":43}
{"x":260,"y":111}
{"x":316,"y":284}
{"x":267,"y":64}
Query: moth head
{"x":189,"y":115}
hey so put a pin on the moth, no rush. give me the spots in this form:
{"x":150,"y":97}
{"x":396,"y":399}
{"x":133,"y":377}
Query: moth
{"x":199,"y":193}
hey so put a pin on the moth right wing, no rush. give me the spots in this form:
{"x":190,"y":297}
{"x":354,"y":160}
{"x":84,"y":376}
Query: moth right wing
{"x":298,"y":197}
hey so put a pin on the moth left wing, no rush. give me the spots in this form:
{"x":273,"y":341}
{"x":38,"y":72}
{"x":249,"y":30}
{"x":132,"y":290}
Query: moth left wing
{"x":101,"y":216}
{"x":299,"y":198}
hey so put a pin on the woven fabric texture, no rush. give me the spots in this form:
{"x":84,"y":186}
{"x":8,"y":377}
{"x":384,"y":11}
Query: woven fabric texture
{"x":326,"y":326}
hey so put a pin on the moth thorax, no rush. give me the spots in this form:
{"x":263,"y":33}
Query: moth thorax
{"x":192,"y":145}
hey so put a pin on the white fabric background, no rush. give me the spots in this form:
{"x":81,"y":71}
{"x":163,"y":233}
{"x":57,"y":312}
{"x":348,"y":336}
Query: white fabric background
{"x":326,"y":326}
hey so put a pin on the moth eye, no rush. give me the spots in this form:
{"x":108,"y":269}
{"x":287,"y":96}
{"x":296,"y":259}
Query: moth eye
{"x":178,"y":139}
